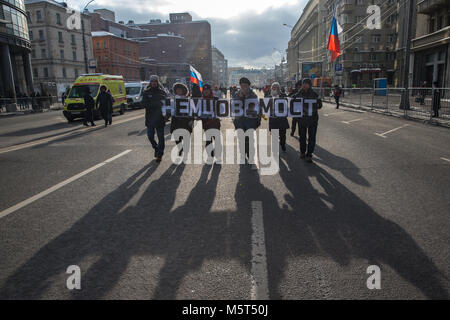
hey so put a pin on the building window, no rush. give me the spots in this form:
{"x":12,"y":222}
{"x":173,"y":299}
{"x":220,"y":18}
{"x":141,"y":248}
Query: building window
{"x":61,"y":53}
{"x":376,"y":38}
{"x":391,"y":38}
{"x":31,"y":35}
{"x":41,"y":34}
{"x":58,"y":19}
{"x":45,"y":72}
{"x":72,"y":36}
{"x":431,"y":26}
{"x":64,"y":73}
{"x":43,"y":54}
{"x":76,"y":73}
{"x":373,"y":57}
{"x":28,"y":17}
{"x":60,"y":37}
{"x":440,"y":22}
{"x":97,"y":44}
{"x":38,"y":16}
{"x":35,"y":73}
{"x":105,"y":45}
{"x":33,"y":53}
{"x":74,"y":55}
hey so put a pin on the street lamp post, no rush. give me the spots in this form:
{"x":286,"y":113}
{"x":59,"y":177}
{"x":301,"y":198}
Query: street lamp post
{"x":84,"y":40}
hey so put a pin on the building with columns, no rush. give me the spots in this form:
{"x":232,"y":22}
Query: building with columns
{"x":15,"y":48}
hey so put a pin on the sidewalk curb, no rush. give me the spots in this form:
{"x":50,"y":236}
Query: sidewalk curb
{"x":424,"y":121}
{"x":24,"y":113}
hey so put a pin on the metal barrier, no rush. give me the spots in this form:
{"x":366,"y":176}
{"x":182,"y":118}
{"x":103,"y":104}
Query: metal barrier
{"x":32,"y":104}
{"x":421,"y":101}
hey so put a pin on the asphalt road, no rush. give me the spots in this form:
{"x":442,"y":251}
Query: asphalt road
{"x":377,"y":194}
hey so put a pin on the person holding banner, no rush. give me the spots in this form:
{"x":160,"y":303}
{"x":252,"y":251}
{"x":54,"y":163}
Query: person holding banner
{"x":280,"y":123}
{"x":298,"y":87}
{"x":309,"y":121}
{"x":243,"y":122}
{"x":181,"y":91}
{"x":209,"y":123}
{"x":154,"y":119}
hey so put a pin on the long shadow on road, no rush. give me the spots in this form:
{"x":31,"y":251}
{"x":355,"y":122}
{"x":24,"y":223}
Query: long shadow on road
{"x":189,"y":235}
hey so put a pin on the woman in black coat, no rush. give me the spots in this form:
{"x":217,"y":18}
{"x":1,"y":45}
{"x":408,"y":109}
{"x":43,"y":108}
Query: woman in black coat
{"x":280,"y":123}
{"x":105,"y":105}
{"x":181,"y":91}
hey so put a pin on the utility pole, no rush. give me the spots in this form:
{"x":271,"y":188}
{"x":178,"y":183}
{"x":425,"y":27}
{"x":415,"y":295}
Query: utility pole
{"x":405,"y":100}
{"x":84,"y":40}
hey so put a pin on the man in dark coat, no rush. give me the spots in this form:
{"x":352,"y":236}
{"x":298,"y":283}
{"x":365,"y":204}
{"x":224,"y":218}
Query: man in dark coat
{"x":298,"y":87}
{"x":89,"y":104}
{"x":181,"y":91}
{"x":154,"y":119}
{"x":105,"y":105}
{"x":209,"y":122}
{"x":280,"y":123}
{"x":308,"y":123}
{"x":243,"y":122}
{"x":436,"y":99}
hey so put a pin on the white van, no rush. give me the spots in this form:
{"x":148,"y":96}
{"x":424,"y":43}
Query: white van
{"x":134,"y":93}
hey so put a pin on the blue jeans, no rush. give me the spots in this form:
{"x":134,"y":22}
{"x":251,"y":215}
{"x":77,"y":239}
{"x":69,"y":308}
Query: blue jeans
{"x":159,"y":147}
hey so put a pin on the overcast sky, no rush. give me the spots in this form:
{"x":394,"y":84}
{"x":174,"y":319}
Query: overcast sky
{"x":245,"y":31}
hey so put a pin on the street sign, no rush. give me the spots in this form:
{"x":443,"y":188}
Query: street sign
{"x":338,"y":67}
{"x":92,"y":64}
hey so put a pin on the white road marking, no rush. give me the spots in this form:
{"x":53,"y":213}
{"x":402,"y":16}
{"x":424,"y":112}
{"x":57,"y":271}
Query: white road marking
{"x":330,"y":114}
{"x":383,"y":135}
{"x":445,"y":159}
{"x":354,"y":120}
{"x":45,"y":140}
{"x":260,"y":288}
{"x":44,"y":193}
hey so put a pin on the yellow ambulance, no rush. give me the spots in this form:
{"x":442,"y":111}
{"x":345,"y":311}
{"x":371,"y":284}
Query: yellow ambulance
{"x":74,"y":102}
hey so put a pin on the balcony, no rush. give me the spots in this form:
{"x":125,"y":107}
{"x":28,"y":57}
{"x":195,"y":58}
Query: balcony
{"x":430,"y":6}
{"x":434,"y":39}
{"x":347,"y":8}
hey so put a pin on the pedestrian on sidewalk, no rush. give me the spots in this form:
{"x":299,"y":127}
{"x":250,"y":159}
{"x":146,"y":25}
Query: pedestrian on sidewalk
{"x":295,"y":121}
{"x":423,"y":93}
{"x":243,"y":122}
{"x":104,"y":104}
{"x":89,"y":105}
{"x":154,"y":119}
{"x":436,"y":99}
{"x":280,"y":123}
{"x":209,"y":122}
{"x":181,"y":91}
{"x":309,"y":122}
{"x":337,"y":95}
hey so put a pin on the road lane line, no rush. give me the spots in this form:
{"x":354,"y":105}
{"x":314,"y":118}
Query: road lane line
{"x":56,"y":137}
{"x":395,"y":129}
{"x":44,"y":193}
{"x":260,"y":288}
{"x":445,"y":159}
{"x":330,"y":114}
{"x":348,"y":122}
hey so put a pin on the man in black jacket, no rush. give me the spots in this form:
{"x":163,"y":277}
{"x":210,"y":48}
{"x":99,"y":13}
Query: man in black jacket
{"x":308,"y":123}
{"x":154,"y":118}
{"x":89,"y":104}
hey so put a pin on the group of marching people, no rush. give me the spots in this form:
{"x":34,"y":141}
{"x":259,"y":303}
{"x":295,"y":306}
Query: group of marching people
{"x":155,"y":120}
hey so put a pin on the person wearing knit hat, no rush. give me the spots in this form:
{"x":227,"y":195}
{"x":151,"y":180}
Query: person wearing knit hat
{"x":280,"y":123}
{"x":297,"y":88}
{"x":308,"y":122}
{"x":243,"y":122}
{"x":154,"y":118}
{"x":180,"y":90}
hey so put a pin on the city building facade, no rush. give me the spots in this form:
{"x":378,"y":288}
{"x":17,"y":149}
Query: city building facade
{"x":431,"y":43}
{"x":117,"y":56}
{"x":219,"y":68}
{"x":58,"y":56}
{"x":15,"y":50}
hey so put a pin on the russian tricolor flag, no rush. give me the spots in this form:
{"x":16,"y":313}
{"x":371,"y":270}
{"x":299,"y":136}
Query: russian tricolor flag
{"x":333,"y":41}
{"x":196,"y":77}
